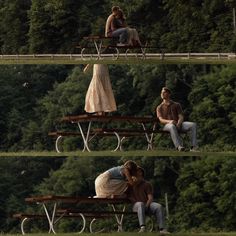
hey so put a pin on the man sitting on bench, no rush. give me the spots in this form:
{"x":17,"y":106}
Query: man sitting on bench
{"x":171,"y":115}
{"x":141,"y":194}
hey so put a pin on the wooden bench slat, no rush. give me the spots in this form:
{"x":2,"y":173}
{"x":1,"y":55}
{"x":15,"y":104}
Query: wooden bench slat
{"x":63,"y":133}
{"x":109,"y":132}
{"x":86,"y":212}
{"x":26,"y":215}
{"x":42,"y":216}
{"x":135,"y":131}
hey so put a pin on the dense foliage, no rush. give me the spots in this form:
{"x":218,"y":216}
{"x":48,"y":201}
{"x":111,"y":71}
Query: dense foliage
{"x":201,"y":192}
{"x":41,"y":26}
{"x":34,"y":98}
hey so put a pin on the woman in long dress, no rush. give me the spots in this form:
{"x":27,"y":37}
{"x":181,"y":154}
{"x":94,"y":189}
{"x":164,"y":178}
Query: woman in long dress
{"x":99,"y":98}
{"x":115,"y":181}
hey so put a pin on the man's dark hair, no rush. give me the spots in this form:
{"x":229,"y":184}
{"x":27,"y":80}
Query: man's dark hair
{"x":142,"y":170}
{"x":166,"y":90}
{"x":115,"y":8}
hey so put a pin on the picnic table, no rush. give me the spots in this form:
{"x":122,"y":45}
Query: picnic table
{"x":145,"y":126}
{"x":103,"y":45}
{"x":56,"y":208}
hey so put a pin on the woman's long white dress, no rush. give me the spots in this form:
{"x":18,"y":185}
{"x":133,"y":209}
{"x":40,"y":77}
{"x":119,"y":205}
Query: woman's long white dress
{"x":100,"y":97}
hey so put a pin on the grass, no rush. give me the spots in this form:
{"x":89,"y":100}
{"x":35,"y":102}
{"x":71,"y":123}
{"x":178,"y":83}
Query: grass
{"x":136,"y":153}
{"x":135,"y":234}
{"x":77,"y":61}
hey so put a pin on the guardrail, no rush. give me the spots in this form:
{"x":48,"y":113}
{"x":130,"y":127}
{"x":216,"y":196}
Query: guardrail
{"x":181,"y":57}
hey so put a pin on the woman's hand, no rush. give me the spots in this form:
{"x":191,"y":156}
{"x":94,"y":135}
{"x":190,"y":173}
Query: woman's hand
{"x":134,"y":178}
{"x":86,"y":68}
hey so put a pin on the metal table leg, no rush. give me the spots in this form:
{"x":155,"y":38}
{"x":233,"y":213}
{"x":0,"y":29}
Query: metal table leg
{"x":85,"y":136}
{"x":98,"y":46}
{"x":22,"y":225}
{"x":119,"y":142}
{"x":50,"y":218}
{"x":149,"y":137}
{"x":119,"y":218}
{"x":58,"y":143}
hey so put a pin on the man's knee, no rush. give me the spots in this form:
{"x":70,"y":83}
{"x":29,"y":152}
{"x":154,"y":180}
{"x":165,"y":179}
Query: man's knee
{"x":170,"y":127}
{"x":192,"y":125}
{"x":138,"y":205}
{"x":157,"y":206}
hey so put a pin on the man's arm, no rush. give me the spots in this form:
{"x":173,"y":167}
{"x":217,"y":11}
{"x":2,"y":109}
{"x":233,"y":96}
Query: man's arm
{"x":162,"y":120}
{"x":149,"y":194}
{"x":180,"y":116}
{"x":108,"y":24}
{"x":180,"y":120}
{"x":150,"y":200}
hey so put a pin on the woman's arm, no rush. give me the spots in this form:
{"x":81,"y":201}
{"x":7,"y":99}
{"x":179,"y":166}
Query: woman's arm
{"x":86,"y":68}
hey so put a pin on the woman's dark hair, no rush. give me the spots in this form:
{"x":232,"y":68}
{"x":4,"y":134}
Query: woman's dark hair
{"x":121,"y":13}
{"x":131,"y":166}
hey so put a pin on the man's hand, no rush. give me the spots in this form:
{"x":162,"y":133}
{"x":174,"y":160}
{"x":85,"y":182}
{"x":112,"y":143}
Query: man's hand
{"x":147,"y":205}
{"x":173,"y":122}
{"x":178,"y":125}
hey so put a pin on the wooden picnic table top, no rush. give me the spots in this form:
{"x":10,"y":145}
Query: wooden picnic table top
{"x":94,"y":37}
{"x":77,"y":199}
{"x":87,"y":118}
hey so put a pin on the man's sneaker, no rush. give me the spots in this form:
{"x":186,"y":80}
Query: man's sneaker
{"x":164,"y":231}
{"x":194,"y":149}
{"x":142,"y":229}
{"x":180,"y":148}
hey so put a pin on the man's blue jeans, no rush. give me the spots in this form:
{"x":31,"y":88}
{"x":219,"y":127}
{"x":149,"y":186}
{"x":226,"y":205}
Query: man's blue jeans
{"x":187,"y":126}
{"x":154,"y":209}
{"x":122,"y":33}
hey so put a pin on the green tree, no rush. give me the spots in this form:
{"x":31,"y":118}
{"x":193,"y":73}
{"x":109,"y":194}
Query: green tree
{"x":14,"y":26}
{"x":76,"y":176}
{"x":19,"y":176}
{"x":195,"y":26}
{"x":213,"y":98}
{"x":41,"y":33}
{"x":56,"y":26}
{"x":64,"y":21}
{"x":207,"y":195}
{"x":21,"y":88}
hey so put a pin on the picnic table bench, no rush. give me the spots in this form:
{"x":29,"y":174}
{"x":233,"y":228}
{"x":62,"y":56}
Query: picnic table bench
{"x":108,"y":46}
{"x":57,"y":208}
{"x":141,"y":126}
